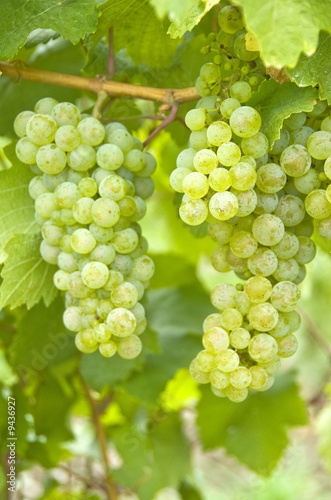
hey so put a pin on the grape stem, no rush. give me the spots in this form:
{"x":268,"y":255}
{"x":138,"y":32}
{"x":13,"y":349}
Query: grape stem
{"x":102,"y":440}
{"x":170,"y":118}
{"x":87,"y":482}
{"x":96,"y":85}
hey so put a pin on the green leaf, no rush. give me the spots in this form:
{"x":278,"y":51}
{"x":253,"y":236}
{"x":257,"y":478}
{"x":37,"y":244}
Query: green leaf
{"x":27,"y":278}
{"x":146,"y":452}
{"x":255,"y":431}
{"x":184,"y":15}
{"x":189,"y":492}
{"x":315,"y":70}
{"x":71,"y":18}
{"x":41,"y":340}
{"x":287,"y":28}
{"x":171,"y":270}
{"x":16,"y":207}
{"x":137,"y":28}
{"x":276,"y":101}
{"x":324,"y":435}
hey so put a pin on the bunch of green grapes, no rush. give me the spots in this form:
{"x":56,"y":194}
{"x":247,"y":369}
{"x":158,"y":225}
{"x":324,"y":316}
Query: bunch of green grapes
{"x":89,"y":190}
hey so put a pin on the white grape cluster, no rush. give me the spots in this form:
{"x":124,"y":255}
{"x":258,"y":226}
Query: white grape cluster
{"x":260,"y":203}
{"x":89,"y":190}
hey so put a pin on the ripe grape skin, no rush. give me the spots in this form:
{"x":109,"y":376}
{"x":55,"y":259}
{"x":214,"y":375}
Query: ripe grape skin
{"x":243,"y":176}
{"x":218,"y":259}
{"x":229,"y":154}
{"x":82,"y":241}
{"x":26,"y":151}
{"x":195,"y":119}
{"x":243,"y":244}
{"x":195,"y":185}
{"x":240,"y":378}
{"x":41,"y":129}
{"x":263,"y":348}
{"x":285,"y":296}
{"x":247,"y":201}
{"x":268,"y":229}
{"x":295,"y":160}
{"x":241,"y":91}
{"x":95,"y":274}
{"x":263,"y":317}
{"x":67,"y":138}
{"x":21,"y":121}
{"x":193,"y":212}
{"x":105,"y":212}
{"x":66,"y":113}
{"x":270,"y":178}
{"x":245,"y":121}
{"x":130,"y":347}
{"x":223,"y":206}
{"x":230,"y":19}
{"x":218,"y":133}
{"x":223,"y":296}
{"x":258,"y":289}
{"x":291,"y":210}
{"x":219,"y":179}
{"x":109,"y":157}
{"x":317,"y":205}
{"x":197,"y":374}
{"x":319,"y":145}
{"x":255,"y":146}
{"x":82,"y":158}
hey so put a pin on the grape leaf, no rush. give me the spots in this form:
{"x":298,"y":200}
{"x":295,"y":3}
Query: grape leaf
{"x":171,"y":270}
{"x":137,"y":28}
{"x":315,"y":70}
{"x":189,"y":492}
{"x":324,"y":435}
{"x":16,"y":208}
{"x":276,"y":101}
{"x":71,"y":18}
{"x":27,"y":278}
{"x":184,"y":15}
{"x":287,"y":28}
{"x":255,"y":431}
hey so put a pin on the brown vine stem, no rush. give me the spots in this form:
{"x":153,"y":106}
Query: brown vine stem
{"x":101,"y":436}
{"x":170,"y":118}
{"x":96,"y":85}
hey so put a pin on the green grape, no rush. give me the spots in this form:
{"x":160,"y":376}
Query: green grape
{"x":287,"y":346}
{"x":293,"y":319}
{"x":67,"y":138}
{"x":295,"y":121}
{"x":75,"y":177}
{"x":109,"y":157}
{"x":195,"y":119}
{"x":67,"y":194}
{"x":223,"y":206}
{"x":72,"y":319}
{"x":142,"y":268}
{"x":52,"y":233}
{"x":301,"y":135}
{"x":295,"y":160}
{"x":122,"y":139}
{"x":240,"y":338}
{"x":49,"y":252}
{"x":325,"y":125}
{"x":53,"y":181}
{"x":242,"y":303}
{"x":271,"y":367}
{"x":317,"y":205}
{"x":228,"y":106}
{"x":220,"y":232}
{"x":258,"y":289}
{"x":193,"y":212}
{"x":243,"y":244}
{"x":85,"y":342}
{"x":127,"y":208}
{"x":140,"y":209}
{"x":319,"y":145}
{"x":236,"y":395}
{"x":287,"y":270}
{"x":259,"y":377}
{"x":307,"y":182}
{"x":263,"y":317}
{"x":241,"y":91}
{"x":82,"y":241}
{"x":107,"y":349}
{"x":212,"y":321}
{"x":141,"y":327}
{"x":66,"y":113}
{"x":240,"y":49}
{"x":236,"y":263}
{"x":270,"y":178}
{"x":240,"y":378}
{"x":245,"y":121}
{"x":51,"y":159}
{"x":218,"y":259}
{"x":115,"y":279}
{"x":263,"y":263}
{"x":138,"y":311}
{"x":306,"y":251}
{"x":255,"y":146}
{"x":45,"y":106}
{"x":21,"y":121}
{"x":103,"y":308}
{"x":210,"y":73}
{"x":206,"y":361}
{"x":185,"y":159}
{"x":176,"y":178}
{"x":266,"y":203}
{"x":134,"y":160}
{"x":144,"y":188}
{"x":248,"y":159}
{"x":327,"y":167}
{"x":218,"y":379}
{"x":291,"y":210}
{"x":45,"y":205}
{"x":92,"y":132}
{"x":218,"y":133}
{"x":105,"y":212}
{"x":199,"y":140}
{"x":95,"y":274}
{"x":121,"y":322}
{"x":324,"y":228}
{"x":281,"y":143}
{"x":113,"y":187}
{"x":130,"y":347}
{"x":262,"y":161}
{"x":88,"y":305}
{"x":67,"y":262}
{"x":268,"y":229}
{"x":285,"y":296}
{"x":305,"y":228}
{"x":197,"y":374}
{"x":243,"y":176}
{"x":262,"y":347}
{"x":82,"y":158}
{"x":215,"y":340}
{"x":37,"y":187}
{"x":88,"y":187}
{"x":195,"y":185}
{"x":287,"y":247}
{"x":67,"y":218}
{"x":282,"y":328}
{"x":111,"y":127}
{"x":60,"y":280}
{"x":205,"y":161}
{"x":125,"y":241}
{"x":26,"y":151}
{"x":231,"y":318}
{"x":230,"y":19}
{"x":223,"y":296}
{"x":247,"y":201}
{"x":76,"y":286}
{"x":227,"y":360}
{"x":41,"y":129}
{"x":122,"y":263}
{"x":229,"y":154}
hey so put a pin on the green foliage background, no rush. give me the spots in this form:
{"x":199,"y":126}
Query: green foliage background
{"x":157,"y":43}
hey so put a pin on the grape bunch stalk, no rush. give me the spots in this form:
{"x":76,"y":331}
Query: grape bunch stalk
{"x":260,"y":202}
{"x":90,"y":186}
